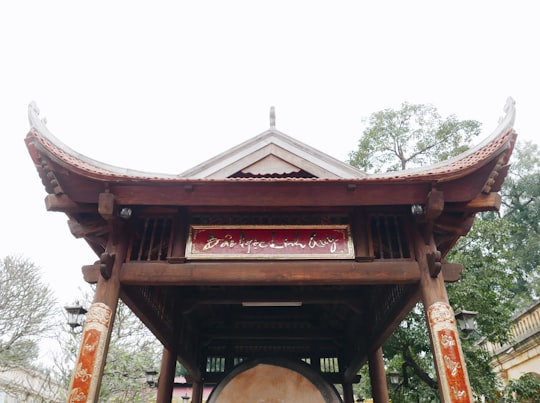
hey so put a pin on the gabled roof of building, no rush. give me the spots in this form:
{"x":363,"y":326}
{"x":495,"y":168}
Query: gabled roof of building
{"x":273,"y":154}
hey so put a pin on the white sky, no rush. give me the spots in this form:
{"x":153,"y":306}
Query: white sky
{"x":164,"y":85}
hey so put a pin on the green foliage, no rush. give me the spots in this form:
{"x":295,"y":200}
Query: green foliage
{"x":521,"y":206}
{"x":26,"y":306}
{"x":488,"y":276}
{"x":415,"y":135}
{"x":526,"y":389}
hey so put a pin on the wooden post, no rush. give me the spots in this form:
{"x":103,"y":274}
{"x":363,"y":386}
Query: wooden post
{"x":88,"y":371}
{"x":197,"y":392}
{"x":348,"y":396}
{"x":379,"y":387}
{"x":166,"y":376}
{"x":452,"y":375}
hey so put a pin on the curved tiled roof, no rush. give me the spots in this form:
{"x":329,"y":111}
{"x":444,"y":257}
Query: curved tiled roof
{"x":498,"y":145}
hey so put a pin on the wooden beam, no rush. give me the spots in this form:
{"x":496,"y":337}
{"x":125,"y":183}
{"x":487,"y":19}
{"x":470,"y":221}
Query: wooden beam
{"x":264,"y":273}
{"x":275,"y":193}
{"x":311,"y":295}
{"x":485,"y":202}
{"x":482,"y":202}
{"x":451,"y":272}
{"x":65,"y":204}
{"x":97,"y":330}
{"x":106,"y":205}
{"x":443,"y":332}
{"x":376,"y":340}
{"x":434,"y":205}
{"x":273,"y":334}
{"x":93,"y":228}
{"x":331,"y":377}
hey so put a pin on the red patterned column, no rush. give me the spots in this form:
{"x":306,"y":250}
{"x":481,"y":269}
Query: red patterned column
{"x":453,"y":381}
{"x":91,"y":354}
{"x":452,"y":371}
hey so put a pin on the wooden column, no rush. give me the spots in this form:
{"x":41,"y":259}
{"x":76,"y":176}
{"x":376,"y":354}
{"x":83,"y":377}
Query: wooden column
{"x":166,"y":376}
{"x":86,"y":379}
{"x":197,"y":392}
{"x":452,"y":374}
{"x":348,"y":395}
{"x":379,"y":387}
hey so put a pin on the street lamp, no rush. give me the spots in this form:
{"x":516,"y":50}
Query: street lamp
{"x":393,"y":376}
{"x":185,"y":398}
{"x":466,"y":321}
{"x":75,"y":315}
{"x":151,"y":378}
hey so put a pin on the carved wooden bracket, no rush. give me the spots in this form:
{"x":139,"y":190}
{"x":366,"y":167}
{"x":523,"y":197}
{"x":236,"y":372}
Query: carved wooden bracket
{"x":434,"y":263}
{"x":106,"y":265}
{"x":433,"y":209}
{"x":106,"y":205}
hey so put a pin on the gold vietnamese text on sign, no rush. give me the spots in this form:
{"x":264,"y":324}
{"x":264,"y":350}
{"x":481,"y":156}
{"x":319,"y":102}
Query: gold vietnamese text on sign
{"x":270,"y":242}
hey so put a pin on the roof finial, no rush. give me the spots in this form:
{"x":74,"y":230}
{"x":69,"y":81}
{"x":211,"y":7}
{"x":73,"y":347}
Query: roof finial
{"x":272,"y":117}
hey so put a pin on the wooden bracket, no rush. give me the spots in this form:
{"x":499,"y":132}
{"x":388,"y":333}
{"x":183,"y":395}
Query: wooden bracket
{"x":434,"y":205}
{"x":106,"y":265}
{"x":434,"y":263}
{"x":434,"y":208}
{"x":106,"y":205}
{"x":451,"y":271}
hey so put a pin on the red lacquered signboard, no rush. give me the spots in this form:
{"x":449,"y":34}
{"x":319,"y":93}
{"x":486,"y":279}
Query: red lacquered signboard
{"x":270,"y":242}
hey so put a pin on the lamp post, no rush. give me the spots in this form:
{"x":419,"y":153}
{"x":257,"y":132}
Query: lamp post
{"x":75,"y":316}
{"x":466,"y":321}
{"x":151,"y":378}
{"x":393,"y":377}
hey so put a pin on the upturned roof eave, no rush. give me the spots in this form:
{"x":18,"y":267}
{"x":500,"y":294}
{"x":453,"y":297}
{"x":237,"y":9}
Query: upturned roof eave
{"x":499,"y":144}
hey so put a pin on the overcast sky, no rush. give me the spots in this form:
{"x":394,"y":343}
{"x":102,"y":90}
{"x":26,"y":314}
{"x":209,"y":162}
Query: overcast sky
{"x":164,"y":85}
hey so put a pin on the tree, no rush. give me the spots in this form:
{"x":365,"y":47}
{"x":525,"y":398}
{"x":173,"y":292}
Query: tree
{"x":417,"y":135}
{"x":412,"y":136}
{"x":521,"y":207}
{"x":525,"y":389}
{"x":26,"y":312}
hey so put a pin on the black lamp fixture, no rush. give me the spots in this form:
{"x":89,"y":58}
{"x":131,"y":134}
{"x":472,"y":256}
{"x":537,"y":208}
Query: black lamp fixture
{"x":151,"y":378}
{"x":393,"y":377}
{"x":75,"y":316}
{"x":466,"y":321}
{"x":185,"y":398}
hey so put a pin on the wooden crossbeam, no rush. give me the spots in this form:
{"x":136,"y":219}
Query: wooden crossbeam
{"x":264,"y":273}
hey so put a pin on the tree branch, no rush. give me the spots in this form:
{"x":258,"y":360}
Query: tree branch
{"x":418,"y":371}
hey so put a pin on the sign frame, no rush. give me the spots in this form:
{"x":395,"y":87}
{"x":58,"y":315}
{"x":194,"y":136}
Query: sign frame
{"x":272,"y":242}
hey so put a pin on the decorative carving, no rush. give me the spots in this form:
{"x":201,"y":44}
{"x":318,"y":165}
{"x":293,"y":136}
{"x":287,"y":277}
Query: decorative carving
{"x":493,"y":175}
{"x":448,"y":354}
{"x":106,"y":264}
{"x":434,"y":263}
{"x":53,"y":183}
{"x":91,"y":353}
